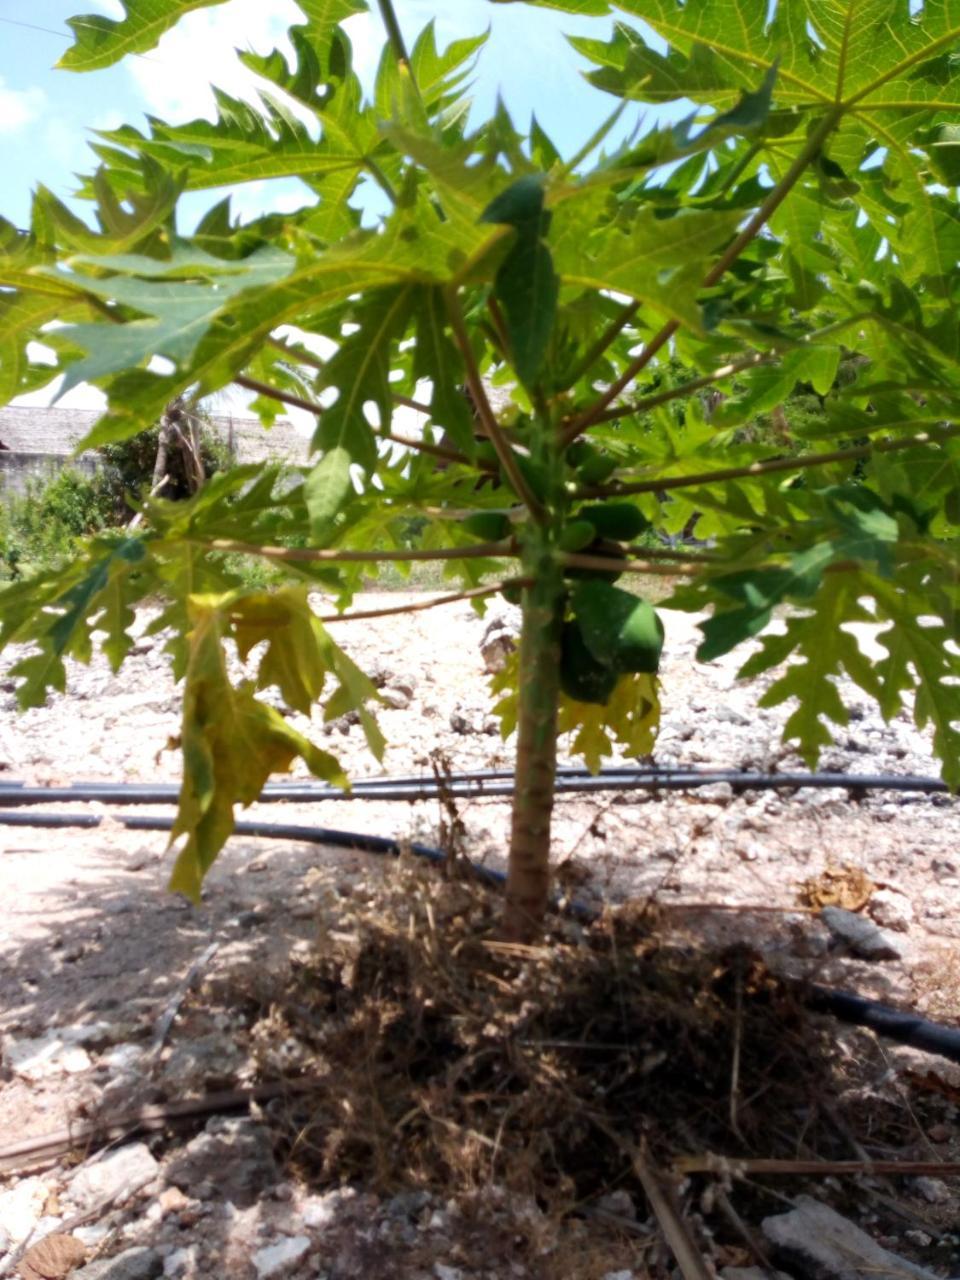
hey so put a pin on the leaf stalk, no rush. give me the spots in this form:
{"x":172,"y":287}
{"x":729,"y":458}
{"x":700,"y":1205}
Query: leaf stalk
{"x":768,"y":466}
{"x":488,"y":421}
{"x":733,"y":251}
{"x":580,"y":560}
{"x":475,"y":593}
{"x":606,"y":339}
{"x":409,"y":442}
{"x":335,"y":555}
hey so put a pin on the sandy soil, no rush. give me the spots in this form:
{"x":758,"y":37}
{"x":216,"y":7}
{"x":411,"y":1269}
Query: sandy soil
{"x":702,"y":847}
{"x":89,"y":934}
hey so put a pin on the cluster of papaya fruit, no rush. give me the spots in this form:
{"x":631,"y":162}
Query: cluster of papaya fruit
{"x":592,"y":527}
{"x":610,"y":632}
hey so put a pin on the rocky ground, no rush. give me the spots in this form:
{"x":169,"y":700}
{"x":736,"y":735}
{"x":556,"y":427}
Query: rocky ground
{"x":96,"y":1016}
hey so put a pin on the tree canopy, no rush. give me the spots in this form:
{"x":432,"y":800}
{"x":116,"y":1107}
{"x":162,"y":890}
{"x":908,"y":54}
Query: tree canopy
{"x":802,"y":213}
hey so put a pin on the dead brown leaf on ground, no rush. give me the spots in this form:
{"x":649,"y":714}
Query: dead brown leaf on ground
{"x":845,"y":886}
{"x":52,"y":1258}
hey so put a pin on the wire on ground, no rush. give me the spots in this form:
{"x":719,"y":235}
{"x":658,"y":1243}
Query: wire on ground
{"x":490,"y":783}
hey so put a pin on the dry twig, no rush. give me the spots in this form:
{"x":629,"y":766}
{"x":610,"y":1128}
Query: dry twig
{"x":43,"y":1150}
{"x":675,"y":1230}
{"x":165,"y":1021}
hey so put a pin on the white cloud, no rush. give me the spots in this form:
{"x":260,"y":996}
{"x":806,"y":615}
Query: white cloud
{"x":65,"y":141}
{"x":110,"y":119}
{"x":175,"y":78}
{"x":366,"y":37}
{"x":19,"y":107}
{"x":290,"y":201}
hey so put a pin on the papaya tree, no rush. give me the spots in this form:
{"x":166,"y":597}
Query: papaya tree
{"x":585,"y":336}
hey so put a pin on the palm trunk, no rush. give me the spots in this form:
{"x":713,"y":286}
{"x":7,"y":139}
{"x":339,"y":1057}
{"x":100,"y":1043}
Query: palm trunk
{"x":528,"y":872}
{"x":161,"y":464}
{"x":192,"y":464}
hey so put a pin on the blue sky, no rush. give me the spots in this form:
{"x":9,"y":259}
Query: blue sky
{"x":46,"y":116}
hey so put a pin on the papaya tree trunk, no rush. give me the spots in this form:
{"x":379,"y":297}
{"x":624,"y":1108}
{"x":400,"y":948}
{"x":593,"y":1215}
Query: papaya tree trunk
{"x":528,"y":871}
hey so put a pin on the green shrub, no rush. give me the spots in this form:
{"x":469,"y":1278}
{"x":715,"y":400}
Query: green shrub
{"x":43,"y":525}
{"x":126,"y":473}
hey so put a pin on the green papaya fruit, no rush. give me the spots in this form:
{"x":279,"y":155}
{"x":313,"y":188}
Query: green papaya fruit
{"x":591,"y":464}
{"x":597,"y":469}
{"x":512,"y":592}
{"x":488,"y":526}
{"x":620,"y":629}
{"x":603,"y":549}
{"x":577,"y":535}
{"x":579,"y":452}
{"x":582,"y":677}
{"x":535,"y":475}
{"x":619,"y":520}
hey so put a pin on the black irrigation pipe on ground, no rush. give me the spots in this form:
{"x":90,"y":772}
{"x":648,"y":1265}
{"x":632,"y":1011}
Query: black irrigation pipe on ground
{"x":363,"y":843}
{"x":490,"y":783}
{"x":904,"y":1028}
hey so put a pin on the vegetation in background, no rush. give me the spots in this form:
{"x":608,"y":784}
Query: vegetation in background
{"x":42,"y":527}
{"x":646,"y":309}
{"x":127,"y":468}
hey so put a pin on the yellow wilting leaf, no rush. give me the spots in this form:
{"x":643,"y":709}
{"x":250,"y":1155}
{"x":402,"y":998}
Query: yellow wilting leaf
{"x":300,"y":654}
{"x":504,"y":682}
{"x":231,"y":744}
{"x":294,"y":635}
{"x":631,"y":718}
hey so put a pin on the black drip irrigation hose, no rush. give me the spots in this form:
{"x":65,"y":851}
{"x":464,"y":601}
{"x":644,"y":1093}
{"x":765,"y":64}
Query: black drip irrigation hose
{"x":489,"y":783}
{"x":363,"y":843}
{"x":903,"y":1028}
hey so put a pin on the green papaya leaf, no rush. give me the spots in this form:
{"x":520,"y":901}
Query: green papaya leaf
{"x":102,"y":41}
{"x":519,"y":205}
{"x":325,"y":492}
{"x":182,"y":311}
{"x":436,"y":358}
{"x":58,"y":611}
{"x":823,"y":651}
{"x":360,"y":371}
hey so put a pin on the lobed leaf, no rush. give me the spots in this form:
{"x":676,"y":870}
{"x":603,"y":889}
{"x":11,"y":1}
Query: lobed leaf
{"x":823,"y":651}
{"x":325,"y":491}
{"x":231,"y":744}
{"x":101,"y":41}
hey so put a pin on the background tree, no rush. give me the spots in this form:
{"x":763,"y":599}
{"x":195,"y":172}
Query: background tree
{"x":804,"y":210}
